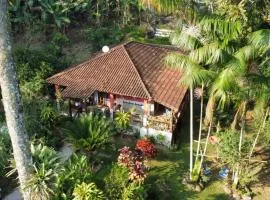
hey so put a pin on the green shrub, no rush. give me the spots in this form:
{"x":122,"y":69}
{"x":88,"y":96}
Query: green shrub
{"x":89,"y":191}
{"x":89,"y":132}
{"x":116,"y":181}
{"x":160,"y":139}
{"x":47,"y":166}
{"x":134,"y":192}
{"x":76,"y":170}
{"x":44,"y":118}
{"x":122,"y":120}
{"x":228,"y":147}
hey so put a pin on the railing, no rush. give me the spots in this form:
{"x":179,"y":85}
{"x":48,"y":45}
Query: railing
{"x":136,"y":120}
{"x":161,"y":123}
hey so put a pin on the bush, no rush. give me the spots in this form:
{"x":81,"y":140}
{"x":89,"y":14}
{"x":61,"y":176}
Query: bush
{"x":89,"y":132}
{"x":122,"y":120}
{"x":47,"y":167}
{"x":116,"y":182}
{"x":104,"y":36}
{"x":76,"y":171}
{"x":228,"y":147}
{"x":148,"y":149}
{"x":44,"y":118}
{"x":99,"y":37}
{"x":89,"y":191}
{"x":161,"y":139}
{"x":134,"y":192}
{"x":133,"y":161}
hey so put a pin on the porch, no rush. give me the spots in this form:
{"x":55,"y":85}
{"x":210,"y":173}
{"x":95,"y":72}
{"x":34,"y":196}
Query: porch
{"x":144,"y":113}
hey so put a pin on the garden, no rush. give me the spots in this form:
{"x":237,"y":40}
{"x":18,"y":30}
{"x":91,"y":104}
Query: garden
{"x":226,"y":68}
{"x":107,"y":163}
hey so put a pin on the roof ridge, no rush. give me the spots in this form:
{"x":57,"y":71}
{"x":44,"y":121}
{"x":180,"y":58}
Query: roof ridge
{"x":137,"y":72}
{"x":156,"y":45}
{"x":81,"y":64}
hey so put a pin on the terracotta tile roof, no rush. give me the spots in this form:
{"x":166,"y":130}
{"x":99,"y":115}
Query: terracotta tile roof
{"x":132,"y":69}
{"x":161,"y":81}
{"x":77,"y":92}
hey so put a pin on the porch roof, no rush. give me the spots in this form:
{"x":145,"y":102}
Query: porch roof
{"x":77,"y":92}
{"x":131,"y":69}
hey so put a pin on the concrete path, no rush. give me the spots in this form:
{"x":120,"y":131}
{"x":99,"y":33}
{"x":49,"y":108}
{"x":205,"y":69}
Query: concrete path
{"x":65,"y":152}
{"x":15,"y":195}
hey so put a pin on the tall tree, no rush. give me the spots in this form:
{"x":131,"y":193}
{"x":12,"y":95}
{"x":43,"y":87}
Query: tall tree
{"x":12,"y":105}
{"x":193,"y":74}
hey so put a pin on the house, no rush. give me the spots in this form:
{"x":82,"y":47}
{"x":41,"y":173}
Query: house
{"x":129,"y":76}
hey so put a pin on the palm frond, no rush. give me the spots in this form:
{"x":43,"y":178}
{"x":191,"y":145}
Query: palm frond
{"x":185,"y":41}
{"x":180,"y":62}
{"x":246,"y":53}
{"x":260,"y":38}
{"x":192,"y":73}
{"x":208,"y":54}
{"x":196,"y":76}
{"x":221,"y":28}
{"x":89,"y":132}
{"x":224,"y":85}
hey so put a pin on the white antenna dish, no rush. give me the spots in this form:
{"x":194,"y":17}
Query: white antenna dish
{"x":105,"y":49}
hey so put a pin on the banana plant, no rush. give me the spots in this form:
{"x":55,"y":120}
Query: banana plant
{"x":54,"y":12}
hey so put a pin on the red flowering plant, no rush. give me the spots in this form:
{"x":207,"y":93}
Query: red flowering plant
{"x":126,"y":157}
{"x":133,"y":160}
{"x":147,"y":147}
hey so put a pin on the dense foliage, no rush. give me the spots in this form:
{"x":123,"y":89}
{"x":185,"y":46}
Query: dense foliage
{"x":126,"y":178}
{"x":89,"y":132}
{"x":227,"y":56}
{"x":116,"y":181}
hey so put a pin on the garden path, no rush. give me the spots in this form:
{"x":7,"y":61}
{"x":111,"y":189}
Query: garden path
{"x":65,"y":152}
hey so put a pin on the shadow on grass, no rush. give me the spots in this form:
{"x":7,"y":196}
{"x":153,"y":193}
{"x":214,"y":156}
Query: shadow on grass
{"x":166,"y":173}
{"x":220,"y":197}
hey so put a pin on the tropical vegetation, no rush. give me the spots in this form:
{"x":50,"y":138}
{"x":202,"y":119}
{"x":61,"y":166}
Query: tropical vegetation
{"x":225,"y":65}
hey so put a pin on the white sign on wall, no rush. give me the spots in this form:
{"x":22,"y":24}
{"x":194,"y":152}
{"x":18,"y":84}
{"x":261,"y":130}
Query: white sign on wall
{"x":127,"y":105}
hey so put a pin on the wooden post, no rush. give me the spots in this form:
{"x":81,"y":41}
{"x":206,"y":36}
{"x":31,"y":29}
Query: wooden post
{"x":111,"y":101}
{"x":56,"y":87}
{"x":111,"y":105}
{"x":146,"y":107}
{"x":69,"y":108}
{"x":171,"y":124}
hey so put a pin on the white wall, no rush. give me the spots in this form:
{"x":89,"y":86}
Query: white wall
{"x":153,"y":132}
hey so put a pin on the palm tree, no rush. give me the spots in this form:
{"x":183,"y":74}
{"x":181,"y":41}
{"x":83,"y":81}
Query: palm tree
{"x":233,"y":83}
{"x":193,"y":74}
{"x":12,"y":104}
{"x":213,"y":44}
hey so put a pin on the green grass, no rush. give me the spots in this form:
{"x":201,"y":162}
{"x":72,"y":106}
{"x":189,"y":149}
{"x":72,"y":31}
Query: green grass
{"x":166,"y":174}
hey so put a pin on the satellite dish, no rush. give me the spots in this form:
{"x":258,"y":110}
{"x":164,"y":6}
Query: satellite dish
{"x":105,"y":49}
